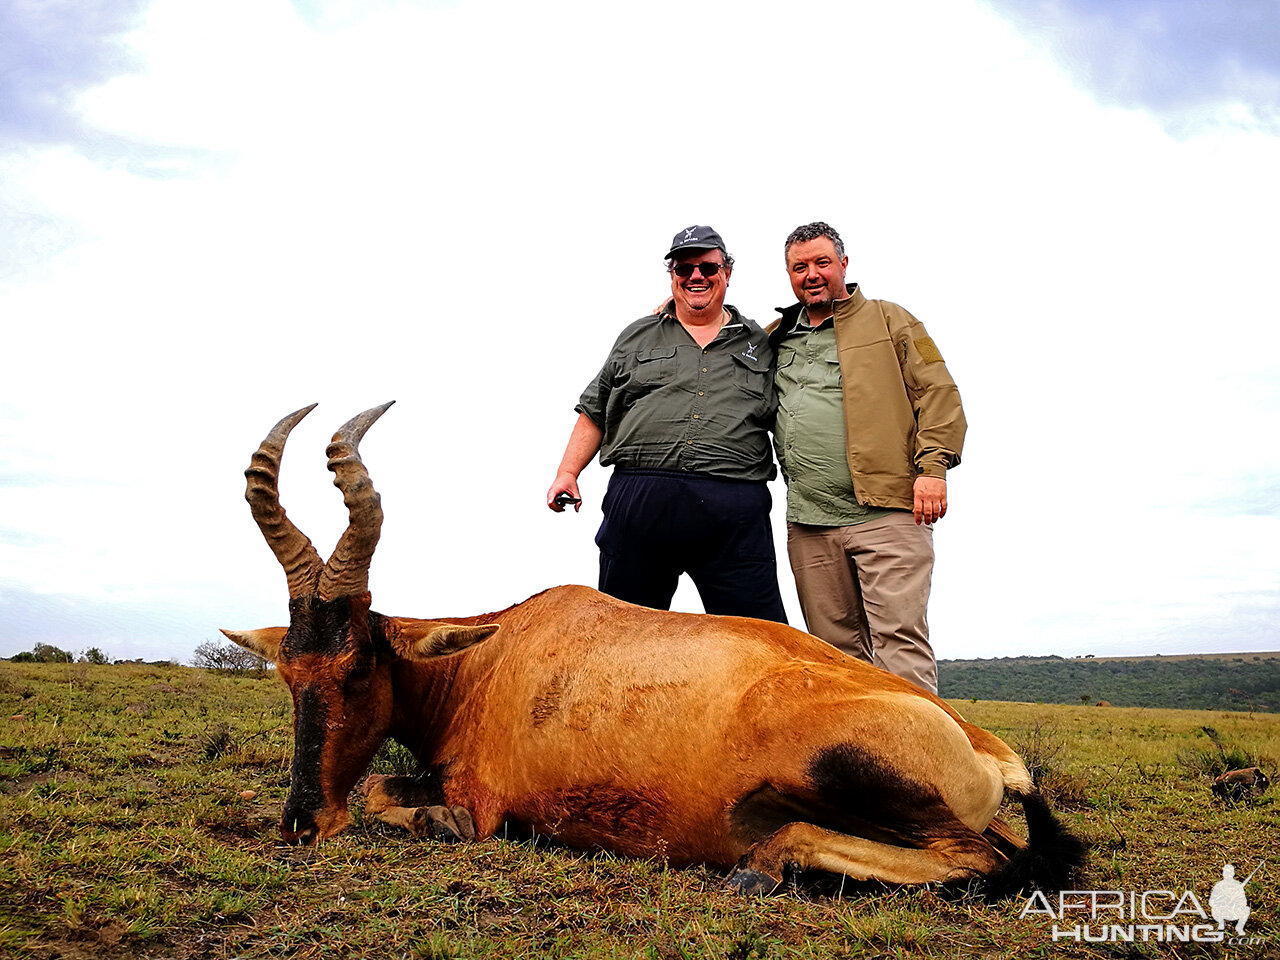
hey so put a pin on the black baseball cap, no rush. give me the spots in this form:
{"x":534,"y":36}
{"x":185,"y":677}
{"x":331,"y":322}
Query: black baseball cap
{"x":695,"y":238}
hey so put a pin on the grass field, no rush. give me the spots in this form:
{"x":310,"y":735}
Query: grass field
{"x":139,"y":807}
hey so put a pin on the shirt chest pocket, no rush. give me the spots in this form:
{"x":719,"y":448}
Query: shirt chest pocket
{"x":752,"y":376}
{"x":654,"y":365}
{"x":829,"y":373}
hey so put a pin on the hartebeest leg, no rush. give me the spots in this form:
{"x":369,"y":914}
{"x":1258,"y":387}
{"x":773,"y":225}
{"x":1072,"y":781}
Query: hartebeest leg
{"x":402,"y":802}
{"x":813,"y":848}
{"x":382,"y":791}
{"x":1001,"y":836}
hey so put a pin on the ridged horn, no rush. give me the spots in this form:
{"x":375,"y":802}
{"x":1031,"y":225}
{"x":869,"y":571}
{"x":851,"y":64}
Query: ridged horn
{"x":301,"y":563}
{"x":347,"y":572}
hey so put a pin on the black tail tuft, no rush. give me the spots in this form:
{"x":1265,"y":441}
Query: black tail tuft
{"x":1051,"y":861}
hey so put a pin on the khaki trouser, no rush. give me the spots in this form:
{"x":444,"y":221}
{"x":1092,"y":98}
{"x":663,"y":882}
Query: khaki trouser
{"x":865,"y":589}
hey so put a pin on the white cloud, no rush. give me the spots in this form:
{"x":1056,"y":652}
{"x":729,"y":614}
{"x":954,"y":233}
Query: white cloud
{"x":1197,"y":66}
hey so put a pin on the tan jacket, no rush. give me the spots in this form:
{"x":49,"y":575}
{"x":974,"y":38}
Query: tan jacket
{"x":902,"y":413}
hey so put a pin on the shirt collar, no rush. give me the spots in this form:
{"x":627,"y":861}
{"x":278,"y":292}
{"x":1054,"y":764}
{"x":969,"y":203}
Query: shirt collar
{"x":802,"y":324}
{"x":731,"y":327}
{"x":794,"y":312}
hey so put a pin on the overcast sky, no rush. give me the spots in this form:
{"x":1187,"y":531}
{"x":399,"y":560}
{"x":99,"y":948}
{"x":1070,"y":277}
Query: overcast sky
{"x":216,"y":213}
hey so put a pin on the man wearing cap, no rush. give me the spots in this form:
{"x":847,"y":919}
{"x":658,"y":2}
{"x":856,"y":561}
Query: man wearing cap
{"x":869,"y":420}
{"x":681,"y":409}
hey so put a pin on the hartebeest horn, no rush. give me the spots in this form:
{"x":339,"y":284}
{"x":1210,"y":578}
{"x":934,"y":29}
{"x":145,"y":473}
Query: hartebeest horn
{"x":290,"y":545}
{"x":347,"y":572}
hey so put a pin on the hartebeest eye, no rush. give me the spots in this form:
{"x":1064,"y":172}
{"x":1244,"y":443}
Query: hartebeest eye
{"x":358,"y":678}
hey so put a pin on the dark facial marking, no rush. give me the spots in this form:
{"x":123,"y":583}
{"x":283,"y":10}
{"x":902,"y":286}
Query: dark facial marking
{"x":305,"y":795}
{"x":317,"y":626}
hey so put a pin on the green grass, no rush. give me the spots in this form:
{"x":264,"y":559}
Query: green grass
{"x":124,"y":831}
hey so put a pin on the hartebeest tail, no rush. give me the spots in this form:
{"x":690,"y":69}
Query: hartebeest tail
{"x":738,"y":743}
{"x":1051,"y":860}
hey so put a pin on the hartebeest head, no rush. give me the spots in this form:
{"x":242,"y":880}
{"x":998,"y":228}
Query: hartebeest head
{"x":336,"y":654}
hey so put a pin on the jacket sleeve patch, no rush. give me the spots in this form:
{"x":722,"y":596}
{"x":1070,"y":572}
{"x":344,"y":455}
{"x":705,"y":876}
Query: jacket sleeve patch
{"x":928,"y":350}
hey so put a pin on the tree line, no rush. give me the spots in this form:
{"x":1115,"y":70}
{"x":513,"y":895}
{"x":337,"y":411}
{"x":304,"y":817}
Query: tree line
{"x":210,"y":655}
{"x":1245,"y":682}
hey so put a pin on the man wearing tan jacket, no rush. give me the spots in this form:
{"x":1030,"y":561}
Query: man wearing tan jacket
{"x":869,"y":421}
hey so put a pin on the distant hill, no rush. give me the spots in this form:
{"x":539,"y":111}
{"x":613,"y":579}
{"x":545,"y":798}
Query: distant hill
{"x":1220,"y":681}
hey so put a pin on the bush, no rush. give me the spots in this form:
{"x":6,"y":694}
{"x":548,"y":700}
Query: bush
{"x":44,"y":653}
{"x":215,"y":742}
{"x":1043,"y":749}
{"x":228,"y":657}
{"x":95,"y":656}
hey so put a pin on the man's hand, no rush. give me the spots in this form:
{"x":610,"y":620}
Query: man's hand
{"x":564,"y":483}
{"x":931,"y":499}
{"x":584,"y":443}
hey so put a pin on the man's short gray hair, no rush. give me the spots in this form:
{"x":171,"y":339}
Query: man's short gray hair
{"x":812,"y":231}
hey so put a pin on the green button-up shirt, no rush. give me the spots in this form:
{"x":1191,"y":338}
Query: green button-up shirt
{"x":664,"y":403}
{"x":809,"y":435}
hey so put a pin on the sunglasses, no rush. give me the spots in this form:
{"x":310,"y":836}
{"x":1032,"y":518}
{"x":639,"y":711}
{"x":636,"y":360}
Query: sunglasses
{"x":685,"y":270}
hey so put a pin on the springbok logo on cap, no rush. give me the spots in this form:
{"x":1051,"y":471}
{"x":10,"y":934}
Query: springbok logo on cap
{"x":697,"y":237}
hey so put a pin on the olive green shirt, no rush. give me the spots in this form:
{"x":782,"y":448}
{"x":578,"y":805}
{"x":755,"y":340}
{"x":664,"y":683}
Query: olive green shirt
{"x":809,"y":435}
{"x":664,"y":403}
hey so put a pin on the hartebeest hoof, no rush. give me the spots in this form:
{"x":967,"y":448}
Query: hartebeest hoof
{"x":752,"y":883}
{"x":449,"y":824}
{"x":466,"y":826}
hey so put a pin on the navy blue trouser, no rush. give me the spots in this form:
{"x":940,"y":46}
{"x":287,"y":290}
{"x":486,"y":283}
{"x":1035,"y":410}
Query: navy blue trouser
{"x":658,"y":525}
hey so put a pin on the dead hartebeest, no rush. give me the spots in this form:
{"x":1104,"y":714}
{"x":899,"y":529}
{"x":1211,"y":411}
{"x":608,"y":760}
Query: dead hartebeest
{"x":732,"y":742}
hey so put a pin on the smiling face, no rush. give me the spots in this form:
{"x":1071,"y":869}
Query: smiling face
{"x":697,"y":293}
{"x":817,"y":274}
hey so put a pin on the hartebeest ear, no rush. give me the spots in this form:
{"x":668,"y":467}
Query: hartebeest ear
{"x":264,"y":642}
{"x":424,"y":639}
